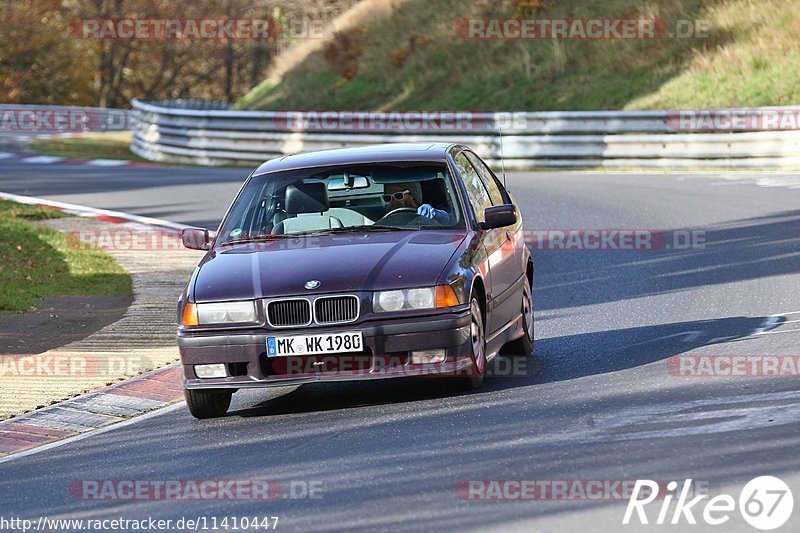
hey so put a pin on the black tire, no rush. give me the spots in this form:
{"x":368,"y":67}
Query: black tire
{"x":523,"y":346}
{"x":207,"y":403}
{"x":478,"y":337}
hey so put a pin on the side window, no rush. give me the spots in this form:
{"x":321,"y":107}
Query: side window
{"x":476,"y":192}
{"x":487,"y":178}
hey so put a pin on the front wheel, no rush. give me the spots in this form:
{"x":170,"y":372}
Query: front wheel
{"x":478,"y":343}
{"x":207,"y":403}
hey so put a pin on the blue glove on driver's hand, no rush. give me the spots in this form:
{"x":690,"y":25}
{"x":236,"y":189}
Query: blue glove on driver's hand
{"x":427,"y":210}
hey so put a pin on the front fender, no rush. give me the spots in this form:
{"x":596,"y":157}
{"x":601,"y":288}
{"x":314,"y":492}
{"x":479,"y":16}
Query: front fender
{"x":466,"y":265}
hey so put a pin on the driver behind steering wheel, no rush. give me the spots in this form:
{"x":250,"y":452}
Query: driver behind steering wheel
{"x":398,"y":195}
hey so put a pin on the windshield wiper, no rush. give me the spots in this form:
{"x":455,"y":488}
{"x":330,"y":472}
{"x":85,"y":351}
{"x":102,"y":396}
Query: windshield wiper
{"x":257,"y":238}
{"x":360,"y":229}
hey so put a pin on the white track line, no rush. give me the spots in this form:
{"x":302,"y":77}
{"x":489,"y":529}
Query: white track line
{"x":769,"y":323}
{"x":778,"y":331}
{"x":81,"y":436}
{"x":108,"y":162}
{"x":42,"y":159}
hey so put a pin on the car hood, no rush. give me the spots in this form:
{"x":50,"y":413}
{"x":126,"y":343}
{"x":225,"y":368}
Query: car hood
{"x":341,"y":263}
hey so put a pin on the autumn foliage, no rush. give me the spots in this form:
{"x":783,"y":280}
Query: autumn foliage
{"x":344,"y":50}
{"x":44,"y":59}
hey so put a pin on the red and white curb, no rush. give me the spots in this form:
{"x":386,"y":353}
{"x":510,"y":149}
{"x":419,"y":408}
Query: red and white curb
{"x":99,"y":410}
{"x":105,"y":215}
{"x":51,"y":159}
{"x":67,"y":420}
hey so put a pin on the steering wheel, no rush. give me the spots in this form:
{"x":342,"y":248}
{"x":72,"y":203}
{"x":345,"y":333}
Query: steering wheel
{"x":398,"y":212}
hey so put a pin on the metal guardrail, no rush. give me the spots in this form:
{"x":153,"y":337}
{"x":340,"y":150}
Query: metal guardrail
{"x":212,"y":134}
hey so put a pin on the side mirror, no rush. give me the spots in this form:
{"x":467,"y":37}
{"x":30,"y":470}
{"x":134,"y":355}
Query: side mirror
{"x":196,"y":238}
{"x":499,"y":216}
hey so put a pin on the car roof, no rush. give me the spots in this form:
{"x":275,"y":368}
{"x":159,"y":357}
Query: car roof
{"x":419,"y":151}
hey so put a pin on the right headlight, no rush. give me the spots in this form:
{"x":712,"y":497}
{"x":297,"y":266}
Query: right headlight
{"x":414,"y":298}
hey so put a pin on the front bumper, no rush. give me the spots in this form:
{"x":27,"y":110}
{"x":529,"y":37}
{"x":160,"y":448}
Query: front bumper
{"x":387,"y":343}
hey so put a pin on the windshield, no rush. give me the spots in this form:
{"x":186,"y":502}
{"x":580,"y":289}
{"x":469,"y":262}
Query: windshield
{"x":373,"y":197}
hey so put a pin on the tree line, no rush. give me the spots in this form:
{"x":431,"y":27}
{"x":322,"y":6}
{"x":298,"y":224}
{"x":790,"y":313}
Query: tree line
{"x":78,"y":52}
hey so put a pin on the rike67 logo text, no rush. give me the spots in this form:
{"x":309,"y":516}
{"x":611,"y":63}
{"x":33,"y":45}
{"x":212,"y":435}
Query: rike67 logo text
{"x":765,"y":503}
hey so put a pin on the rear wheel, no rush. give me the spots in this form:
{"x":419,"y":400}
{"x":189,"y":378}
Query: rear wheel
{"x":207,"y":403}
{"x":523,"y":346}
{"x":478,"y":343}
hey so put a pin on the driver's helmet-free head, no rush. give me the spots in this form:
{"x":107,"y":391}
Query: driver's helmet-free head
{"x":413,"y":188}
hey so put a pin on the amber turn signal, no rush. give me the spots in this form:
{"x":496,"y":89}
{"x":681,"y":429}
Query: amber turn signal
{"x":190,"y":315}
{"x":446,"y":296}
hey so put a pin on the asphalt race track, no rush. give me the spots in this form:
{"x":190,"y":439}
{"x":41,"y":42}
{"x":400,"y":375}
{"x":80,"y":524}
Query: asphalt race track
{"x":600,"y":401}
{"x":183,"y":194}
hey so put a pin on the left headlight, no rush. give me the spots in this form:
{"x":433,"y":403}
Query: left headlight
{"x":416,"y":298}
{"x":220,"y":313}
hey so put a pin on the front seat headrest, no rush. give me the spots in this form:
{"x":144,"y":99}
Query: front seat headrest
{"x":306,"y":198}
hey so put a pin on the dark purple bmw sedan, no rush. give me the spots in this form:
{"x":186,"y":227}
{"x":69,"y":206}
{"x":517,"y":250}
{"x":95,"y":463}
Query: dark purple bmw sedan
{"x":362,"y":263}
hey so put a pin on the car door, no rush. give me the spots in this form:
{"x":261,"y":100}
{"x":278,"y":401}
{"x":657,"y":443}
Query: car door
{"x":492,"y":240}
{"x":506,"y":262}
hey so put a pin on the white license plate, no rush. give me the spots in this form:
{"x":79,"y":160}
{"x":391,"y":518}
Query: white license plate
{"x":349,"y":341}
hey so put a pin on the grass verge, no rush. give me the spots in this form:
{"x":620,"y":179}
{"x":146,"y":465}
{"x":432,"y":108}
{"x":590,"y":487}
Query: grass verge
{"x":739,"y":53}
{"x":110,"y":145}
{"x":39,"y":261}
